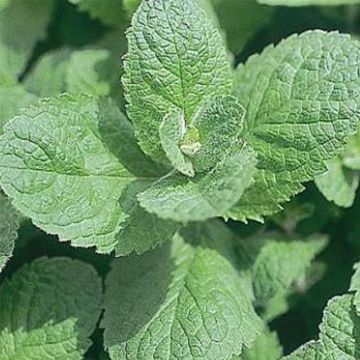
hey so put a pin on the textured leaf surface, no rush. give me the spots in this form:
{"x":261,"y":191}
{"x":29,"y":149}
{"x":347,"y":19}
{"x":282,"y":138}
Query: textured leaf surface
{"x":338,"y":184}
{"x":308,"y":2}
{"x":9,"y":225}
{"x":355,"y":286}
{"x":59,"y":172}
{"x":140,"y":231}
{"x":207,"y":195}
{"x":172,"y":130}
{"x":208,"y":140}
{"x":66,"y":163}
{"x":279,"y":261}
{"x":48,"y":310}
{"x":302,"y":101}
{"x":339,"y":334}
{"x":175,"y":303}
{"x":219,"y":125}
{"x":176,"y":59}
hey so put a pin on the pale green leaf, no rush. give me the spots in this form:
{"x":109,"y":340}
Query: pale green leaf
{"x":141,"y":231}
{"x":338,"y":184}
{"x":280,"y":261}
{"x":219,"y":125}
{"x":48,"y":76}
{"x":48,"y":310}
{"x":355,"y":287}
{"x":351,"y":157}
{"x":313,"y":350}
{"x":276,"y":306}
{"x":302,"y":100}
{"x":265,"y":347}
{"x":66,"y":169}
{"x":83,"y":73}
{"x":174,"y":303}
{"x":172,"y":130}
{"x":60,"y":174}
{"x":207,"y":195}
{"x":176,"y":59}
{"x":118,"y":134}
{"x":9,"y":225}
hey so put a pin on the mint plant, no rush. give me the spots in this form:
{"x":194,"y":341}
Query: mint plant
{"x":182,"y":197}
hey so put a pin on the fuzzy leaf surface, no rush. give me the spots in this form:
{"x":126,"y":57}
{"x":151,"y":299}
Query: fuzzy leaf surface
{"x":302,"y":101}
{"x":174,"y":303}
{"x":176,"y":60}
{"x":48,"y":310}
{"x":339,"y":334}
{"x":9,"y":225}
{"x":207,"y":195}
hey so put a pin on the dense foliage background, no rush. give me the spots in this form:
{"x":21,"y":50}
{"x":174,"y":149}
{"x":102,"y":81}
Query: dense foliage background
{"x":39,"y":28}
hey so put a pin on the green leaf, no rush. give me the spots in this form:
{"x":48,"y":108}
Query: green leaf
{"x":339,"y":334}
{"x":48,"y":76}
{"x":208,"y":140}
{"x":141,"y":231}
{"x":172,"y":130}
{"x":219,"y":125}
{"x":82,"y":71}
{"x":109,"y":11}
{"x":355,"y":286}
{"x":59,"y":172}
{"x":313,"y":350}
{"x":172,"y":63}
{"x":265,"y":347}
{"x":308,"y":2}
{"x":13,"y":98}
{"x":338,"y":184}
{"x":279,"y":261}
{"x":48,"y":310}
{"x":59,"y":164}
{"x":205,"y":196}
{"x":9,"y":225}
{"x":302,"y":101}
{"x":351,"y":157}
{"x":118,"y":134}
{"x":22,"y":25}
{"x":175,"y":303}
{"x":83,"y":74}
